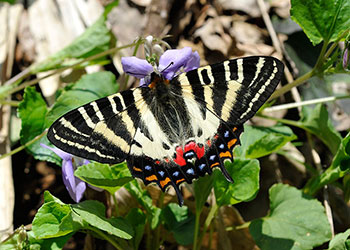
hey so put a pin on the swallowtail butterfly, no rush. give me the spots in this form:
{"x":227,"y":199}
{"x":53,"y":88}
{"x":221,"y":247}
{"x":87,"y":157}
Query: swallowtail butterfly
{"x":172,"y":131}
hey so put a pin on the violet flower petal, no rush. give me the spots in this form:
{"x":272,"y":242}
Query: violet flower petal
{"x":193,"y":62}
{"x":63,"y":155}
{"x":143,"y":83}
{"x":346,"y":58}
{"x":136,"y":67}
{"x":74,"y":185}
{"x":172,"y":60}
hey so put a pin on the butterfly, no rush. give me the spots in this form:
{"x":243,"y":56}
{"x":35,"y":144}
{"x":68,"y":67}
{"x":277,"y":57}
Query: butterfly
{"x":172,"y":131}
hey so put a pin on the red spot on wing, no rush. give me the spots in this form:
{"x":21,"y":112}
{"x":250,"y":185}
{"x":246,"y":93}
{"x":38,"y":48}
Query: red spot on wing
{"x":200,"y":151}
{"x":191,"y":146}
{"x":179,"y":159}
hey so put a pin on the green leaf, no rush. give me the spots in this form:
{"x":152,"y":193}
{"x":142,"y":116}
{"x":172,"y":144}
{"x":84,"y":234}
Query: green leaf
{"x":261,"y":141}
{"x":138,"y":220}
{"x":143,"y":198}
{"x":49,"y":197}
{"x":32,"y":111}
{"x":339,"y":241}
{"x":323,"y":19}
{"x":93,"y":212}
{"x":53,"y":220}
{"x":317,"y":123}
{"x":295,"y":221}
{"x":89,"y":87}
{"x":56,"y":243}
{"x":202,"y":188}
{"x":245,"y":174}
{"x":339,"y":167}
{"x":180,"y":221}
{"x":96,"y":39}
{"x":110,"y":178}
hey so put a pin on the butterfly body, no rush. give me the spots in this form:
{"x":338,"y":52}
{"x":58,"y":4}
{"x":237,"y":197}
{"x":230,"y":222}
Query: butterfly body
{"x":172,"y":131}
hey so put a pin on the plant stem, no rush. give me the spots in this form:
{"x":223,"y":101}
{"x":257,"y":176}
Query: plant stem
{"x":207,"y":222}
{"x":11,"y":103}
{"x":157,"y":236}
{"x":304,"y":103}
{"x":24,"y":146}
{"x":293,"y":84}
{"x":104,"y":236}
{"x":137,"y":45}
{"x":196,"y":228}
{"x":285,"y":121}
{"x":34,"y":81}
{"x":321,"y":56}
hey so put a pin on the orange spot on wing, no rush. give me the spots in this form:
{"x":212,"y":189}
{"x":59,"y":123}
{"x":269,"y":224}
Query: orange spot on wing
{"x":234,"y":129}
{"x":231,"y":143}
{"x":179,"y":181}
{"x":164,"y":182}
{"x":225,"y":154}
{"x":151,"y":178}
{"x":137,"y":169}
{"x":152,"y":85}
{"x":214,"y":164}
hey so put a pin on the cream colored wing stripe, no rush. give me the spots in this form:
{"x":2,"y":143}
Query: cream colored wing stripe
{"x":79,"y":146}
{"x":68,"y":124}
{"x":260,"y":91}
{"x":86,"y":117}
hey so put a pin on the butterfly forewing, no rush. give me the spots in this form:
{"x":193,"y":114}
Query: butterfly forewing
{"x":102,"y":130}
{"x":235,"y":89}
{"x":176,"y":136}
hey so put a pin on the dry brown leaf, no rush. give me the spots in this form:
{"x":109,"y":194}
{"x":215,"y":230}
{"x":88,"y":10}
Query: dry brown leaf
{"x":282,"y":7}
{"x":246,"y":33}
{"x":213,"y":36}
{"x":248,"y":6}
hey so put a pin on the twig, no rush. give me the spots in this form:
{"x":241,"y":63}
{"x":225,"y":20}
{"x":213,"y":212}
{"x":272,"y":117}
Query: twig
{"x":328,"y":209}
{"x":278,"y":46}
{"x":305,"y":103}
{"x":24,"y":146}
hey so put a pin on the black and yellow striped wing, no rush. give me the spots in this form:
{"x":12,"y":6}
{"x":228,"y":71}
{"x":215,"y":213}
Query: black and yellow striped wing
{"x":173,"y":131}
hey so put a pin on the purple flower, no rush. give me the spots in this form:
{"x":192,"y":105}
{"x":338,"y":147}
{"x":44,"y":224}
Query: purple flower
{"x":346,"y":58}
{"x":75,"y":186}
{"x":171,"y":63}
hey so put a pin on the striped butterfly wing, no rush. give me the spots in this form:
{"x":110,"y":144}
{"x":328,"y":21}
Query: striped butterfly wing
{"x":178,"y":135}
{"x":101,"y":130}
{"x":200,"y":125}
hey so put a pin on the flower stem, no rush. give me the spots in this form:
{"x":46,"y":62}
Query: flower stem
{"x":24,"y":146}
